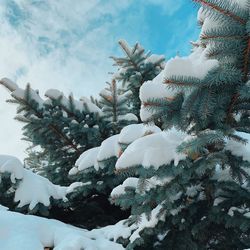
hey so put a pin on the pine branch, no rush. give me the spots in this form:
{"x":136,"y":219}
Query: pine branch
{"x":205,"y":37}
{"x":52,"y":127}
{"x":178,"y":83}
{"x":70,"y":143}
{"x":220,"y":10}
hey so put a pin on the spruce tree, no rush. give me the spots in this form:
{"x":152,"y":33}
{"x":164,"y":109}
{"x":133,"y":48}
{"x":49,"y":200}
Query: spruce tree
{"x":58,"y":129}
{"x":61,"y":128}
{"x":135,"y":68}
{"x":191,"y":184}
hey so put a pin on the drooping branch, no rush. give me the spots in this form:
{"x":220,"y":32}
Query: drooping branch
{"x":11,"y":86}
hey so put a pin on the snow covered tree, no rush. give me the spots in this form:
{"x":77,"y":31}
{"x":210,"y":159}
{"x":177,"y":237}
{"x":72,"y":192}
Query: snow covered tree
{"x":115,"y":108}
{"x":135,"y":68}
{"x":191,"y":184}
{"x":59,"y":130}
{"x":62,"y":128}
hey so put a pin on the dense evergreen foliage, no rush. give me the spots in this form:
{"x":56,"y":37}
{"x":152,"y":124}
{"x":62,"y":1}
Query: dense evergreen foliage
{"x":202,"y":201}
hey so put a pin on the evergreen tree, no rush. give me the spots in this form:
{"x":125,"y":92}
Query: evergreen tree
{"x":61,"y":128}
{"x":191,"y":188}
{"x":135,"y":68}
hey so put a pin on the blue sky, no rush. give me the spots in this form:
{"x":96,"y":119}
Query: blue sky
{"x":66,"y":44}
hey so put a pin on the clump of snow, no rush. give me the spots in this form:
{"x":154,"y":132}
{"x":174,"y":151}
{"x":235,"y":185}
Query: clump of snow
{"x":53,"y":93}
{"x":128,"y":117}
{"x":152,"y":182}
{"x":153,"y":150}
{"x":120,"y":229}
{"x":240,"y":149}
{"x":71,"y":188}
{"x":20,"y":94}
{"x":90,"y":105}
{"x":132,"y":232}
{"x":88,"y":159}
{"x":18,"y":231}
{"x":83,"y":105}
{"x":195,"y":65}
{"x":42,"y":188}
{"x":152,"y":90}
{"x":9,"y":84}
{"x":155,"y":88}
{"x":134,"y":131}
{"x":129,"y":182}
{"x":109,"y":148}
{"x":11,"y":165}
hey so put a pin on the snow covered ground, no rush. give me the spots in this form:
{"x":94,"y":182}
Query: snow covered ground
{"x":28,"y":232}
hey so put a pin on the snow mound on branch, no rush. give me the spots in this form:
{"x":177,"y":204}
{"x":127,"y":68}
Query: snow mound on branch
{"x":86,"y":160}
{"x":20,"y":93}
{"x":240,"y":149}
{"x":153,"y":150}
{"x":32,"y":188}
{"x":12,"y":166}
{"x":18,"y":231}
{"x":152,"y":182}
{"x":91,"y":106}
{"x":128,"y":117}
{"x":129,"y":182}
{"x":154,"y":89}
{"x":134,"y":131}
{"x":83,"y":105}
{"x":9,"y":84}
{"x":195,"y":65}
{"x":109,"y":148}
{"x":120,"y":229}
{"x":132,"y":231}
